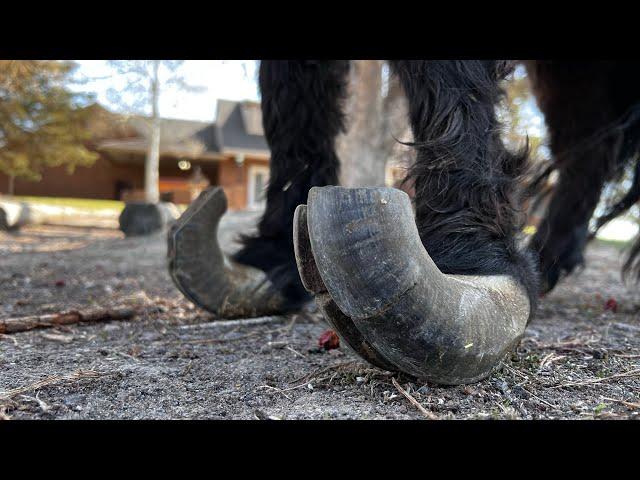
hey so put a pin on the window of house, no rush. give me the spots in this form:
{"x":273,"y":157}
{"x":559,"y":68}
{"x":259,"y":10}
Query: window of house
{"x":258,"y":179}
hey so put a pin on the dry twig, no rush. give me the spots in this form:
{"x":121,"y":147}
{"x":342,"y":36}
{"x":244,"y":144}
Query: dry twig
{"x":550,"y":358}
{"x":232,"y":323}
{"x":9,"y":337}
{"x":282,"y":390}
{"x":630,"y":405}
{"x":294,"y":351}
{"x":576,"y":344}
{"x":413,"y":401}
{"x":517,"y":372}
{"x":53,"y":379}
{"x":540,"y":399}
{"x":21,"y":324}
{"x":630,"y":373}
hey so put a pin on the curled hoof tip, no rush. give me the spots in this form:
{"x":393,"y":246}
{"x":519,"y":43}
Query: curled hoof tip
{"x":312,"y":282}
{"x":359,"y":253}
{"x":200,"y":270}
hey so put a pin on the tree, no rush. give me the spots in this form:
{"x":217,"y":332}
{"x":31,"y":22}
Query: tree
{"x":376,"y":117}
{"x":41,"y":122}
{"x":523,"y":125}
{"x":521,"y":119}
{"x":144,"y":81}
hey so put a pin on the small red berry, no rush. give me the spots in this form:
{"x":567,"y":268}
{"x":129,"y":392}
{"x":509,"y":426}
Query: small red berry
{"x":329,"y":340}
{"x":611,"y":305}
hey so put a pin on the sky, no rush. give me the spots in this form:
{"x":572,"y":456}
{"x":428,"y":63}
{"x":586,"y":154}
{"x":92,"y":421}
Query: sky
{"x":226,"y":79}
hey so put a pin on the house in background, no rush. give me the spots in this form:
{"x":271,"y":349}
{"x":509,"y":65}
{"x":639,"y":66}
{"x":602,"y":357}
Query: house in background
{"x":231,"y":152}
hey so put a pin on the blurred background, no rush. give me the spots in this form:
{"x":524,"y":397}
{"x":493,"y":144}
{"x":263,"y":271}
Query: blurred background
{"x":87,"y":136}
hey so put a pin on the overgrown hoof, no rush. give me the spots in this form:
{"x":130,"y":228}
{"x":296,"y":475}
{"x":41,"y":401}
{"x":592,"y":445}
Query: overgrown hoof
{"x":206,"y":276}
{"x":359,"y":253}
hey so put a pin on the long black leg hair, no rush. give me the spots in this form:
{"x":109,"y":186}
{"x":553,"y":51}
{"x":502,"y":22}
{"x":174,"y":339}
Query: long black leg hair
{"x":592,"y":111}
{"x":562,"y":234}
{"x":467,"y":189}
{"x":302,"y":113}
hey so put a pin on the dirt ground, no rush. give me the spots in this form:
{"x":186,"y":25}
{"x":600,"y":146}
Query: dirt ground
{"x":577,"y":360}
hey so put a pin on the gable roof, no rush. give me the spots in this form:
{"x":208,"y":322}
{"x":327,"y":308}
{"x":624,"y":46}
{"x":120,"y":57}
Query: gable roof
{"x":237,"y":129}
{"x":240,"y":127}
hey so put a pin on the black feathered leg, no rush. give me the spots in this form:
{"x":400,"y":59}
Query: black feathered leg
{"x":467,"y":191}
{"x":562,"y":234}
{"x":302,"y":116}
{"x":591,"y":110}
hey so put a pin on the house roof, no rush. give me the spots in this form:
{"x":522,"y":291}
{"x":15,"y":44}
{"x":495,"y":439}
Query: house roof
{"x":236,"y":130}
{"x":239,"y":126}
